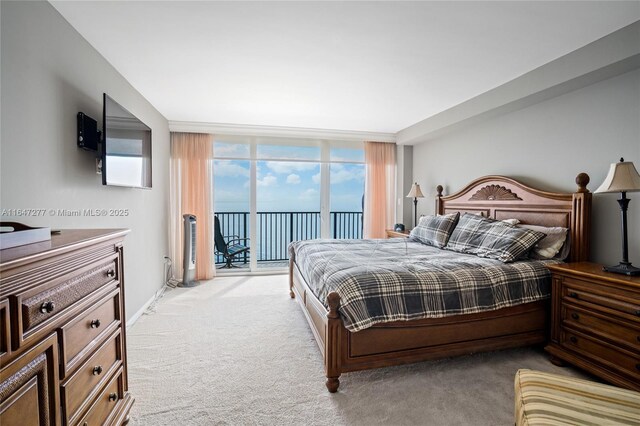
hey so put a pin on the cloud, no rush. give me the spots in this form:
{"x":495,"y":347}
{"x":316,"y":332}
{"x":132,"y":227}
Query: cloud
{"x":221,"y":149}
{"x":293,"y":179}
{"x":268,"y":180}
{"x":345,"y":175}
{"x":227,"y":168}
{"x":289,"y":152}
{"x":309,"y":194}
{"x":285,"y":167}
{"x":340,"y":174}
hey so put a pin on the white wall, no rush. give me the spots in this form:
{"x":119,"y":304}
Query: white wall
{"x":49,"y":73}
{"x":546,"y":145}
{"x":404,"y":181}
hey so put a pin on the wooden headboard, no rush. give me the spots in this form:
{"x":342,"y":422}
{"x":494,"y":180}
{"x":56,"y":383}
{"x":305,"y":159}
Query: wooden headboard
{"x":500,"y":197}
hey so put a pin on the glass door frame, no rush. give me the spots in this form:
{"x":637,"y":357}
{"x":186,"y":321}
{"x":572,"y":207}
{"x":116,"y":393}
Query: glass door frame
{"x":325,"y":184}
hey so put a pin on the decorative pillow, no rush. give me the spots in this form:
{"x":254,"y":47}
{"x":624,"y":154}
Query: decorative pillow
{"x":491,"y":238}
{"x":509,"y":221}
{"x":435,"y":230}
{"x":549,"y":246}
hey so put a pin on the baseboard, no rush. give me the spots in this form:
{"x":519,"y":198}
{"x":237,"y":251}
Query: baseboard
{"x":144,"y":307}
{"x":245,"y":273}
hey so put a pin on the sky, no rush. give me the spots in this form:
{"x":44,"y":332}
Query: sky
{"x":286,"y":186}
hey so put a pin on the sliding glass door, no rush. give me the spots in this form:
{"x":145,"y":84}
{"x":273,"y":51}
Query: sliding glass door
{"x":346,"y":192}
{"x":278,"y":190}
{"x":232,"y":196}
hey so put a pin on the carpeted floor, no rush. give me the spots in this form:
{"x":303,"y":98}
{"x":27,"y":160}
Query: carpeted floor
{"x":237,"y":351}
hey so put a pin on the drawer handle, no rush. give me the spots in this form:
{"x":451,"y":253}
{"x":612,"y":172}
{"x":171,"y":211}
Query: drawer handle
{"x":113,"y":396}
{"x":575,"y":316}
{"x":47,"y":307}
{"x":638,"y":367}
{"x":638,"y":312}
{"x":573,"y":294}
{"x":95,"y":323}
{"x":97,"y":370}
{"x":573,"y":339}
{"x":111,"y":273}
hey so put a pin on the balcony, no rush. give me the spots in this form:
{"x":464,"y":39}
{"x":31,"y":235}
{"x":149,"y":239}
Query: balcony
{"x":275,"y":230}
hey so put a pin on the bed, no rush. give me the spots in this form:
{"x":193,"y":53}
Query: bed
{"x":406,"y":341}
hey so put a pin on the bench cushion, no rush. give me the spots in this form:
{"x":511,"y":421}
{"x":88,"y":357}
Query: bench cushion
{"x":549,"y":399}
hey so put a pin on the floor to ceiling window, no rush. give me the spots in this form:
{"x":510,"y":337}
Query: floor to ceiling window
{"x":287,"y":197}
{"x":346,"y":192}
{"x":277,"y":190}
{"x":231,"y":195}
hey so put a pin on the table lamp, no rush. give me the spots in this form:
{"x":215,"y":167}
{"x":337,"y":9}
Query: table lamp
{"x":623,"y":177}
{"x":415,"y":193}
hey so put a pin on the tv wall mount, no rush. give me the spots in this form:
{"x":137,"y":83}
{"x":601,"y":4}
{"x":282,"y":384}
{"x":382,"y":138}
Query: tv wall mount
{"x":89,"y":138}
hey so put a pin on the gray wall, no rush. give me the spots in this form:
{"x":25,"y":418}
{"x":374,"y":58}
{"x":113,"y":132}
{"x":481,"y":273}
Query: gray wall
{"x":49,"y":73}
{"x":546,"y":145}
{"x":404,"y":180}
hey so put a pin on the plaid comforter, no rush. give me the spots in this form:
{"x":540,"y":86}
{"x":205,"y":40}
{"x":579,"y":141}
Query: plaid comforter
{"x":399,"y":279}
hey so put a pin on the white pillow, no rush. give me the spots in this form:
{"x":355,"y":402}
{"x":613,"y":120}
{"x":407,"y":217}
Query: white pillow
{"x":549,"y":246}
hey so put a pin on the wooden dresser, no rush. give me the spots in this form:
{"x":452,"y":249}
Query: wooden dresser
{"x":62,"y":331}
{"x":595,"y":322}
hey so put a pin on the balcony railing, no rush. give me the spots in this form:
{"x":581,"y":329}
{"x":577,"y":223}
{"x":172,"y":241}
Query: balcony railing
{"x":275,"y":230}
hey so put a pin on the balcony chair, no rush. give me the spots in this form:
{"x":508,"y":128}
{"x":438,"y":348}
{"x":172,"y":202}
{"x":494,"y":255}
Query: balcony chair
{"x":228,"y":249}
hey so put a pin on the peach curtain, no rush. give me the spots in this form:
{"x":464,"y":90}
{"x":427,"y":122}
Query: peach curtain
{"x":191,"y":177}
{"x":379,"y":188}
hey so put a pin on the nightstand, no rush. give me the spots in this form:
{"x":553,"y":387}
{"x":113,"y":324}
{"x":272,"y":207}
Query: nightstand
{"x":397,"y":234}
{"x":595,"y":322}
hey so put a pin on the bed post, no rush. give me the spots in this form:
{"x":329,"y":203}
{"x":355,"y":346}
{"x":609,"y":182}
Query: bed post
{"x":291,"y":293}
{"x":581,"y":220}
{"x":333,"y":341}
{"x":439,"y":209}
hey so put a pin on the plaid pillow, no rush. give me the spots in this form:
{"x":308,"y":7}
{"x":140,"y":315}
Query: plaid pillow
{"x":435,"y":230}
{"x":491,"y":238}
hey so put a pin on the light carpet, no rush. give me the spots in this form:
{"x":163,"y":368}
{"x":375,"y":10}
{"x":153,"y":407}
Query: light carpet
{"x":237,"y":350}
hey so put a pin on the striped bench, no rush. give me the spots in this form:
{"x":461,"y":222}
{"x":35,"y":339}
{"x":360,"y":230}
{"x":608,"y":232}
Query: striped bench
{"x":549,"y":399}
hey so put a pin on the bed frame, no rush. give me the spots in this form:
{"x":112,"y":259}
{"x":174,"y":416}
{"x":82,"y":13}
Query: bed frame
{"x":403,"y":342}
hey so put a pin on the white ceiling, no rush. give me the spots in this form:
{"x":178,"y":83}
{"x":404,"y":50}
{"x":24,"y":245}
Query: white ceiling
{"x":372,"y":66}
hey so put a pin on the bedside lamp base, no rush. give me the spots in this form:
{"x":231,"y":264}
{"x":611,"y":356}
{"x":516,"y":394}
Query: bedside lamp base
{"x":625,"y":268}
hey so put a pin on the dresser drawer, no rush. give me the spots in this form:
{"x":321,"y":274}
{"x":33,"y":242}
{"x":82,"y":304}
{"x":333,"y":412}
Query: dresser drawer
{"x":613,"y":358}
{"x":29,"y":392}
{"x":617,"y":300}
{"x":81,"y":335}
{"x":106,"y":402}
{"x":47,"y":304}
{"x":89,"y":377}
{"x":603,"y":325}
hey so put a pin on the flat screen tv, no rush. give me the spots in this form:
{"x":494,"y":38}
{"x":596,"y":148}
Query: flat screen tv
{"x":126,"y":150}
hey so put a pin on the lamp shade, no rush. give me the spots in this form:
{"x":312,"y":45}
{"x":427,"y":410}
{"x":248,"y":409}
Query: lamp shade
{"x":415,"y":191}
{"x":622,"y":177}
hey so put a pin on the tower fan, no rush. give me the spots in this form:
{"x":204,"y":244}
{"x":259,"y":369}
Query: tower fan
{"x":189,"y":257}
